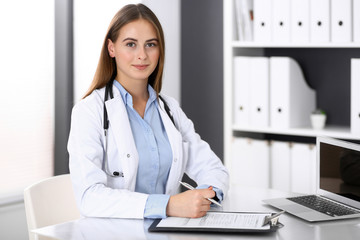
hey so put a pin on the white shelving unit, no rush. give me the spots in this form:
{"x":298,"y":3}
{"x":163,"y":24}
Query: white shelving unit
{"x":233,"y":48}
{"x":239,"y":44}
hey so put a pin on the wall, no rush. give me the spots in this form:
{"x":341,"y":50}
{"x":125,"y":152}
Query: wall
{"x":13,"y":222}
{"x":170,"y":21}
{"x":202,"y":68}
{"x":63,"y":81}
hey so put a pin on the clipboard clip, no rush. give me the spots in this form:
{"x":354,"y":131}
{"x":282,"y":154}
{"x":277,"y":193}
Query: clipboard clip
{"x":273,"y":219}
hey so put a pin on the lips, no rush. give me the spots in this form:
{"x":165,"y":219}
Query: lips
{"x":140,"y":66}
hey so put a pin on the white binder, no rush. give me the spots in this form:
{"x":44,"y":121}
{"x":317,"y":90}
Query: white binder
{"x":241,"y":91}
{"x":250,"y":163}
{"x":356,"y":20}
{"x":303,"y":168}
{"x":341,"y":21}
{"x":259,"y":92}
{"x":239,"y":20}
{"x":262,"y":20}
{"x":291,"y":99}
{"x":244,"y":19}
{"x":280,"y":165}
{"x":320,"y":20}
{"x":240,"y":162}
{"x":355,"y":96}
{"x":281,"y":21}
{"x":300,"y":21}
{"x":314,"y":164}
{"x":248,"y":20}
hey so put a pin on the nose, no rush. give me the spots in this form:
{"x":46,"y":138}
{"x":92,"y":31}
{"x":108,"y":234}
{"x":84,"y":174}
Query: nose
{"x":142,"y":53}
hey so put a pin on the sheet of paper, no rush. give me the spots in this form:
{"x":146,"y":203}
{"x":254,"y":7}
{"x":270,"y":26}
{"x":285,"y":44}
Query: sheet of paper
{"x":219,"y":220}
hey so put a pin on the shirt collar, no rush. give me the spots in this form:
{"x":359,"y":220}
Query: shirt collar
{"x":127,"y":98}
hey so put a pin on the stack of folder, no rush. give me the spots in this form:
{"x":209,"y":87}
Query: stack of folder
{"x":251,"y":91}
{"x":303,"y":168}
{"x":293,"y":167}
{"x":273,"y":164}
{"x":271,"y":92}
{"x":298,"y":21}
{"x":250,"y":163}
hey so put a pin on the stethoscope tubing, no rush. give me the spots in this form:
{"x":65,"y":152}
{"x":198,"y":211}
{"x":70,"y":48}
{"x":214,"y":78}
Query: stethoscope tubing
{"x":108,"y":91}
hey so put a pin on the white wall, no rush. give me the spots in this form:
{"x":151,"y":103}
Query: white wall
{"x":168,"y":13}
{"x":27,"y":96}
{"x":13,"y":222}
{"x":91,"y":20}
{"x":27,"y":104}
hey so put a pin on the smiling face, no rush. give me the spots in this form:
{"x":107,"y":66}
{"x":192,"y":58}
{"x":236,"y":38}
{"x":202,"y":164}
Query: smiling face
{"x":136,"y":51}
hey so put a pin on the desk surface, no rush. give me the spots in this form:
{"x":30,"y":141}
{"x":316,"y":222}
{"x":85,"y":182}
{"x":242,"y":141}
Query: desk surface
{"x":239,"y":199}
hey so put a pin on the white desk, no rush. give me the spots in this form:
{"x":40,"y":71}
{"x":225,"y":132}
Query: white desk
{"x":239,"y":199}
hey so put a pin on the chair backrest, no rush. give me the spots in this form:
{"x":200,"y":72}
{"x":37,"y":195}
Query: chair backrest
{"x":50,"y":201}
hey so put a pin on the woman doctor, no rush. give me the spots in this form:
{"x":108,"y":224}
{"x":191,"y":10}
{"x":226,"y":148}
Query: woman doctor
{"x":127,"y":155}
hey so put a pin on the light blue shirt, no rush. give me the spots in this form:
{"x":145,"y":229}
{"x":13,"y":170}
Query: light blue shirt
{"x":155,"y":154}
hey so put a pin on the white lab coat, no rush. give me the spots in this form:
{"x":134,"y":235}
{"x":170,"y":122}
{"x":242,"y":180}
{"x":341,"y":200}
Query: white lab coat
{"x":100,"y":195}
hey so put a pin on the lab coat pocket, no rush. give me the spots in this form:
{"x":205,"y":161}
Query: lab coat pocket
{"x":115,"y":175}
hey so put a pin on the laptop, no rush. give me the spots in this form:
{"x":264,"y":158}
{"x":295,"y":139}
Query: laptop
{"x":338,"y":184}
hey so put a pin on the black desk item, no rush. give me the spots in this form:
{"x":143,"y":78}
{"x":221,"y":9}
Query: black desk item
{"x":221,"y":222}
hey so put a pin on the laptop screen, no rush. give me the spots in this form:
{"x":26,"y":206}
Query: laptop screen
{"x":340,"y":170}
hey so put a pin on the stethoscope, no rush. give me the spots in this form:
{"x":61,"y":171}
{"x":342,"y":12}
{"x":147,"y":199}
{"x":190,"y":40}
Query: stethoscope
{"x":108,"y":91}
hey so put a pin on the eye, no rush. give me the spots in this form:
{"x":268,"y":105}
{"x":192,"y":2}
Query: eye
{"x":151,"y":44}
{"x":130,"y":44}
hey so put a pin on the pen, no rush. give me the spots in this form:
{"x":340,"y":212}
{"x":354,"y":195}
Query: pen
{"x":188,"y":186}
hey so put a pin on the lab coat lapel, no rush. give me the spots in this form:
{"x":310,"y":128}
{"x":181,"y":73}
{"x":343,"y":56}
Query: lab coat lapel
{"x":175,"y":140}
{"x":120,"y":125}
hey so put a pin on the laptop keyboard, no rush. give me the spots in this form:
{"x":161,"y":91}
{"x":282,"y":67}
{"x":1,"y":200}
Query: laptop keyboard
{"x":324,"y":206}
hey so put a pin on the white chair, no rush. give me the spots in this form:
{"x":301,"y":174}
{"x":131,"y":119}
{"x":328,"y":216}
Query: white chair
{"x":50,"y":201}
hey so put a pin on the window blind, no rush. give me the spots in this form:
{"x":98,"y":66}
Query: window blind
{"x":27,"y":93}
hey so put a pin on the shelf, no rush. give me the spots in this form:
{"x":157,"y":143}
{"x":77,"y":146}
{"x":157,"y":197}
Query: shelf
{"x":307,"y":52}
{"x":239,"y":44}
{"x":330,"y":131}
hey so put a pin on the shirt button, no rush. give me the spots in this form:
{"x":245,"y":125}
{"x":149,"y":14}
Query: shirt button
{"x":175,"y":159}
{"x":128,"y":155}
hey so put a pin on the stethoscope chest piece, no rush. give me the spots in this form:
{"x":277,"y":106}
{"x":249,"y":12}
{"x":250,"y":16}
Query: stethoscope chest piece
{"x":118,"y":174}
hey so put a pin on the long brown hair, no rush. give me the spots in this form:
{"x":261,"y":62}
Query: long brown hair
{"x":106,"y":68}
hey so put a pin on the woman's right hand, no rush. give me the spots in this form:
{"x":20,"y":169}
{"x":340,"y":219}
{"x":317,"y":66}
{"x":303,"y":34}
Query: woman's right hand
{"x":191,"y":203}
